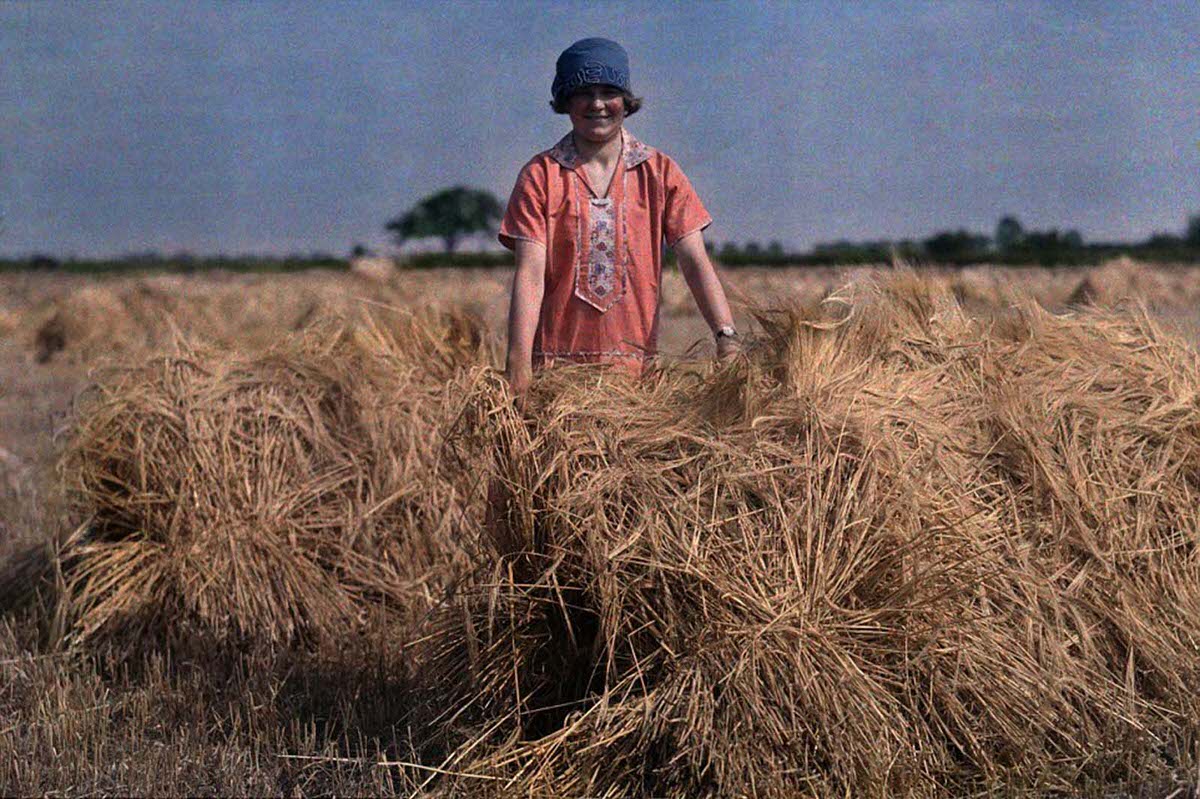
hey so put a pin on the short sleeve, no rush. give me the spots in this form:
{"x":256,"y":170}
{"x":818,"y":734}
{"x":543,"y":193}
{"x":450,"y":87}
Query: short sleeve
{"x":525,"y":217}
{"x":683,"y":211}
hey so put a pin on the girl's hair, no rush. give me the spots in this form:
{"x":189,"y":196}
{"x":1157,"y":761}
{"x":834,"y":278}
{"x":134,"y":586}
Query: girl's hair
{"x":632,"y":104}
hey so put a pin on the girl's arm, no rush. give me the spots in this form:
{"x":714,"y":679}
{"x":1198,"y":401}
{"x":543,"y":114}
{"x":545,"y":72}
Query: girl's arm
{"x":706,"y":287}
{"x":529,"y":285}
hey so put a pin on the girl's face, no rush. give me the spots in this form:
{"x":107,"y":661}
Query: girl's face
{"x":597,"y":112}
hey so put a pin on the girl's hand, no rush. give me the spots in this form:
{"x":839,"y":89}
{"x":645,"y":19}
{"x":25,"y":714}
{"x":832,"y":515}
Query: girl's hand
{"x":727,"y":347}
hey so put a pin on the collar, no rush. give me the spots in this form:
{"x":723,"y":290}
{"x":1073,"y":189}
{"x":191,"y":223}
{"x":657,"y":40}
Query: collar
{"x":633,"y":152}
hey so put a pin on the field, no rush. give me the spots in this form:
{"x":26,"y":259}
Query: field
{"x":934,"y":535}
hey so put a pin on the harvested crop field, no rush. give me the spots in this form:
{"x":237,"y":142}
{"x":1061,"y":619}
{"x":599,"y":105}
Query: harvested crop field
{"x":935,"y":534}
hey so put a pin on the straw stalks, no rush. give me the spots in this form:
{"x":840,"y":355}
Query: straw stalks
{"x":277,"y":498}
{"x":895,"y":550}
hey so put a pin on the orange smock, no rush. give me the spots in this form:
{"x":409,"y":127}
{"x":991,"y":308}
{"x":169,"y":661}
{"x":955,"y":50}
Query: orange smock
{"x":603,"y":255}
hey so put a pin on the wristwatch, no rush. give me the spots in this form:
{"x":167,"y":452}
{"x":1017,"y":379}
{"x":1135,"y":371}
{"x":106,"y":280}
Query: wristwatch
{"x":728,"y":331}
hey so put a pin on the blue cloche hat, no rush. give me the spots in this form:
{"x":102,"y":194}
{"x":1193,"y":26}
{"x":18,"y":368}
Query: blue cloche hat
{"x":590,"y":61}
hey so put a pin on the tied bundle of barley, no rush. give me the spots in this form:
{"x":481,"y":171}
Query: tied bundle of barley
{"x":245,"y":312}
{"x":894,"y":551}
{"x":1166,"y":289}
{"x":274,"y":497}
{"x":139,"y":317}
{"x":1123,"y":280}
{"x":92,"y":321}
{"x":376,"y":269}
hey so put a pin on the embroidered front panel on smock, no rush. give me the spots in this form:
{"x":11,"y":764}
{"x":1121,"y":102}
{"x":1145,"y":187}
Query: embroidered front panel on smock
{"x":599,"y":275}
{"x":603,"y":255}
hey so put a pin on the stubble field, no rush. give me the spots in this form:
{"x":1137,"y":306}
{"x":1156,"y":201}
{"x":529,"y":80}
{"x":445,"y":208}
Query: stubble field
{"x":935,"y":534}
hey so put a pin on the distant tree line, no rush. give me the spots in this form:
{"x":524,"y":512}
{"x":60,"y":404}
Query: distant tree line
{"x":453,"y":213}
{"x":460,"y":211}
{"x":1010,"y":243}
{"x":180,"y":262}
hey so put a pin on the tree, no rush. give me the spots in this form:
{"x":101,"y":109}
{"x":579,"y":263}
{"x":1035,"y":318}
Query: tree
{"x":1009,"y":234}
{"x":955,"y":246}
{"x":730,"y":249}
{"x":1163,"y":241}
{"x":1048,"y":247}
{"x":1192,"y":237}
{"x":449,"y":214}
{"x":46,"y":263}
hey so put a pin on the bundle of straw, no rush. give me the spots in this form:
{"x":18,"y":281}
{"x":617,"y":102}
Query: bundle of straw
{"x":1123,"y":280}
{"x":895,"y":550}
{"x":275,"y":497}
{"x":137,"y":317}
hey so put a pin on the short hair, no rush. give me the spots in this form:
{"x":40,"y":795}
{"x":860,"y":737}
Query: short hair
{"x":632,"y":104}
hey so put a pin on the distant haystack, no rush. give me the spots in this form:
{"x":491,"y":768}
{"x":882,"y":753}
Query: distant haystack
{"x":979,"y":289}
{"x":248,"y":313}
{"x":101,"y":321}
{"x":379,"y":269}
{"x":90,"y":322}
{"x":1120,"y":280}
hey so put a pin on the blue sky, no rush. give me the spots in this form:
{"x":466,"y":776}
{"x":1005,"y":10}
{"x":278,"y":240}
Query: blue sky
{"x":296,"y":127}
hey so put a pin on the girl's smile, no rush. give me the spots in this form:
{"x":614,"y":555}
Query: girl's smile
{"x":597,"y":112}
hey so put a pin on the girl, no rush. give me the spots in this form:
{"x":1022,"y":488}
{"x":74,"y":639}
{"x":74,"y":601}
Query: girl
{"x":587,"y":220}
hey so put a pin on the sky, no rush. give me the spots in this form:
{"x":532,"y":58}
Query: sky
{"x":294,"y":127}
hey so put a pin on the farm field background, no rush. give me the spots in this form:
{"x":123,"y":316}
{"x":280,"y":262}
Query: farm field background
{"x":113,"y":716}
